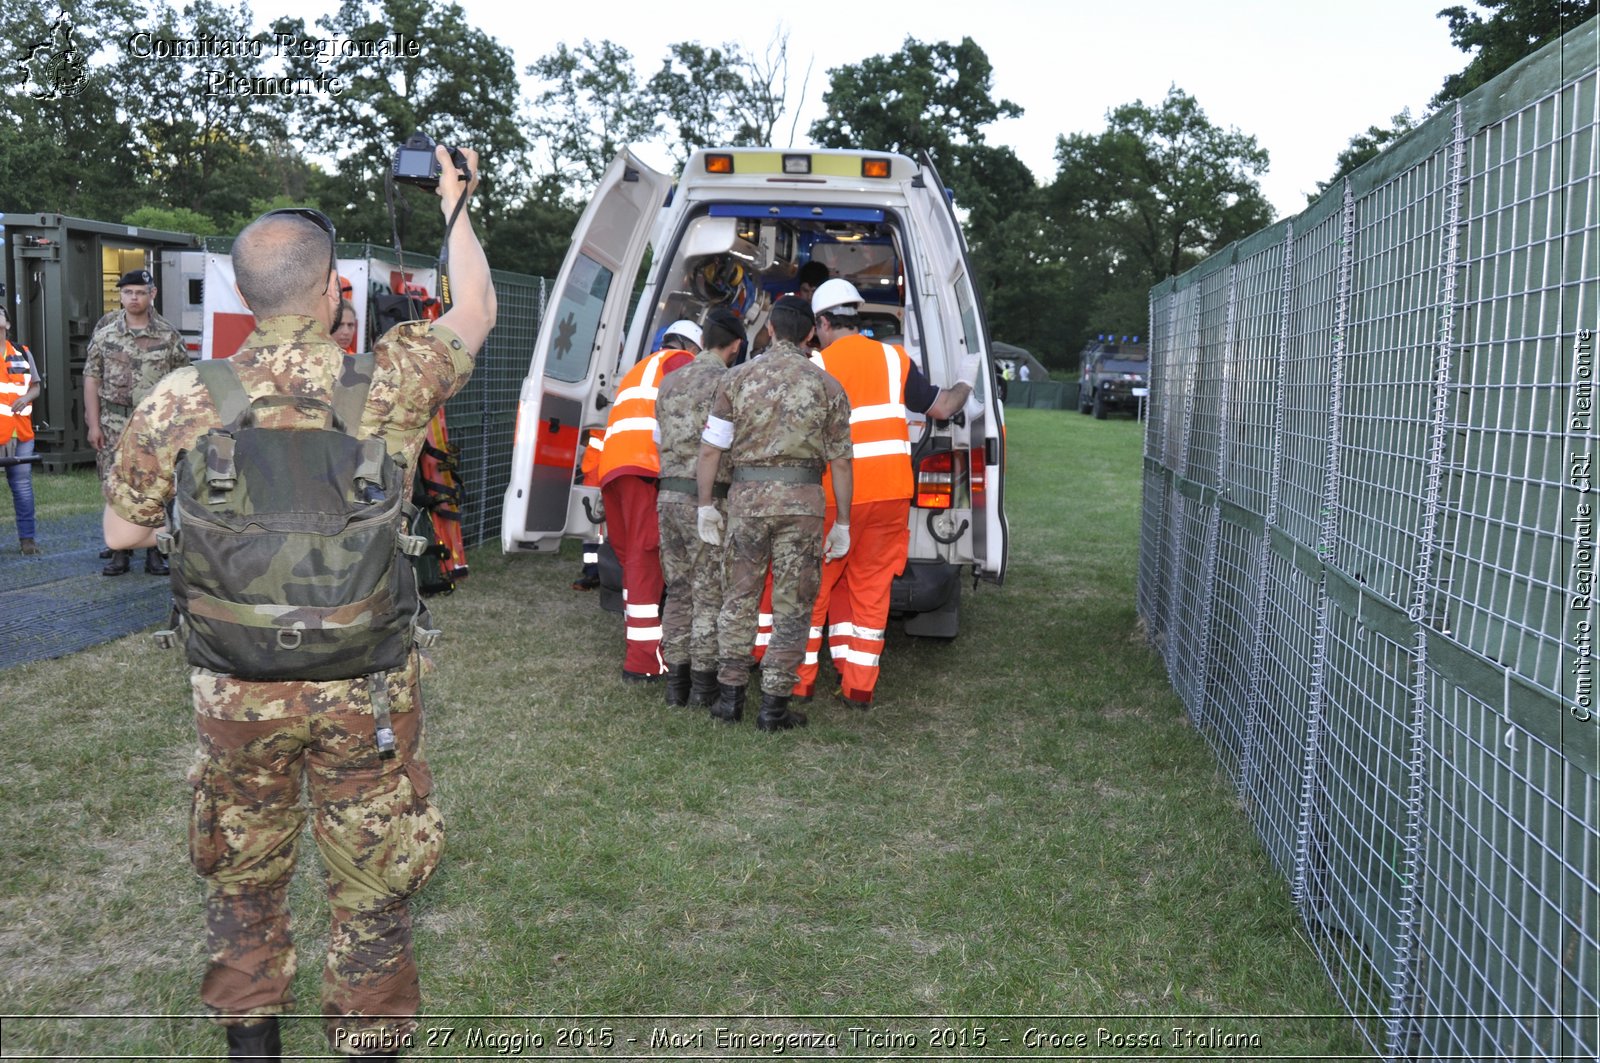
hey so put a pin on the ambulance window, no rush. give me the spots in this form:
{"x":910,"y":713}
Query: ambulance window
{"x":969,"y":314}
{"x":577,"y":321}
{"x":969,"y":328}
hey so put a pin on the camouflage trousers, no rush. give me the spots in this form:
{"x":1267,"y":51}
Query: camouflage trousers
{"x":113,"y":422}
{"x":792,"y":545}
{"x":379,"y":839}
{"x":693,"y":573}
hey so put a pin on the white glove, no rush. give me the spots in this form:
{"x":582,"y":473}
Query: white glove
{"x":708,"y":522}
{"x":973,"y":407}
{"x":971,"y":366}
{"x":837,"y":544}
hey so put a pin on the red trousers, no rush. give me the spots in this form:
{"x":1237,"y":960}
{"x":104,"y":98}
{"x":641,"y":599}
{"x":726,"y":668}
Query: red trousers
{"x":636,"y":537}
{"x":853,"y":605}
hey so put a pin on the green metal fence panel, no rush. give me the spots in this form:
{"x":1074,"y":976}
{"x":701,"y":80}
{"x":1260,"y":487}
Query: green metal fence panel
{"x":1356,"y":850}
{"x":1156,"y":492}
{"x":1275,"y":776}
{"x":482,"y":416}
{"x":1225,"y":719}
{"x":1252,"y":372}
{"x":1369,"y":562}
{"x":1510,"y":916}
{"x":1388,"y":375}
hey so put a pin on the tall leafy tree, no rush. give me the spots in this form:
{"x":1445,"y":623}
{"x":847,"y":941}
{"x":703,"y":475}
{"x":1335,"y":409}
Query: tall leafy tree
{"x":204,"y":145}
{"x":1507,"y":31}
{"x":1160,"y":189}
{"x":591,"y":106}
{"x":62,"y":134}
{"x":723,"y":95}
{"x":934,"y":97}
{"x":1168,"y":183}
{"x":460,"y":87}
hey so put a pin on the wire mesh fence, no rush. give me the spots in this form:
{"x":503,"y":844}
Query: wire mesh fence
{"x":482,"y":416}
{"x":1368,"y":560}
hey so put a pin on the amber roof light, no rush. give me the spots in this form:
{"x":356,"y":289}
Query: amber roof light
{"x":719,"y":163}
{"x":874,"y":167}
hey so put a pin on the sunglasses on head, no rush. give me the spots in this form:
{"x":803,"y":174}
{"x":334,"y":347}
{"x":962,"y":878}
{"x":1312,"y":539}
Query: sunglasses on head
{"x":321,"y":221}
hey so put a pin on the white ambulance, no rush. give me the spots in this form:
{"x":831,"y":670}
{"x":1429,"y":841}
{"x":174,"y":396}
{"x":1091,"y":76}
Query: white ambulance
{"x":735,"y":230}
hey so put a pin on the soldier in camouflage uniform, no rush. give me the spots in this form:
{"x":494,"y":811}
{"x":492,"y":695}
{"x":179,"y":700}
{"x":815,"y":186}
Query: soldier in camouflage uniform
{"x":781,"y":420}
{"x":130,"y":351}
{"x":693,"y":570}
{"x":378,"y":834}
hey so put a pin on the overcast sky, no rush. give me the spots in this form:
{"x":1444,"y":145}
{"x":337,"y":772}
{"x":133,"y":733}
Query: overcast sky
{"x":1300,"y":78}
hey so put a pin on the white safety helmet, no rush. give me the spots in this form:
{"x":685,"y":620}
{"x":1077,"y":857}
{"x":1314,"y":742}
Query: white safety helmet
{"x":837,"y":296}
{"x":685,"y":328}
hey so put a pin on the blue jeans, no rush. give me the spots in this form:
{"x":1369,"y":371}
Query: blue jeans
{"x":20,"y":477}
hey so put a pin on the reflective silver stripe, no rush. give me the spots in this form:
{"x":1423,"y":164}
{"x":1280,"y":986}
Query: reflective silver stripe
{"x":631,"y":424}
{"x":811,"y":657}
{"x":836,"y":631}
{"x":764,"y":619}
{"x":871,"y":634}
{"x":763,"y":638}
{"x":881,"y":448}
{"x":642,"y":612}
{"x":865,"y":660}
{"x":638,"y":391}
{"x":892,"y":357}
{"x":644,"y":634}
{"x":889,"y":411}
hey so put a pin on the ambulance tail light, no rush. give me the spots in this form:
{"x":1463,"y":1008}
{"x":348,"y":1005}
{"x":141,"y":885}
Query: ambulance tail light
{"x":980,"y":484}
{"x":936,"y":480}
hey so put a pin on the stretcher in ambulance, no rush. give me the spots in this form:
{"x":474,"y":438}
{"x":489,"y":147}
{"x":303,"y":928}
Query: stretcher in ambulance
{"x":735,"y":230}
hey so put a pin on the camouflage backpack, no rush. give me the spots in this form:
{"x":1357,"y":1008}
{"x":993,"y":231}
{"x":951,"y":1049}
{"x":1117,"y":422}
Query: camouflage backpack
{"x":287,"y":544}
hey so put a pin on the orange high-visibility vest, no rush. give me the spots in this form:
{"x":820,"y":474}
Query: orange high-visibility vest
{"x":630,"y":445}
{"x":589,"y":467}
{"x":15,"y":380}
{"x":874,"y":377}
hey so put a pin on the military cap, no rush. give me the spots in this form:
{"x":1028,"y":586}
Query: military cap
{"x":135,"y":277}
{"x":795,"y":303}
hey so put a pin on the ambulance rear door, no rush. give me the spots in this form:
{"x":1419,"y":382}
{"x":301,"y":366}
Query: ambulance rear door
{"x":955,"y":299}
{"x":580,"y":337}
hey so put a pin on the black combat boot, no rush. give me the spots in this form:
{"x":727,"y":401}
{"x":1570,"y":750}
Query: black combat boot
{"x":730,"y":703}
{"x":776,"y":715}
{"x":703,"y":688}
{"x":154,"y":563}
{"x":255,"y":1040}
{"x":678,"y":684}
{"x":120,"y":559}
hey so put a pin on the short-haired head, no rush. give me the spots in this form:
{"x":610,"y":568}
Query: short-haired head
{"x":721,"y":327}
{"x":790,"y":320}
{"x":281,"y":265}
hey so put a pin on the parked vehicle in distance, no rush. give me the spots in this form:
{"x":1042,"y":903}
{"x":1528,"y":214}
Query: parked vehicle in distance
{"x":1115,"y":376}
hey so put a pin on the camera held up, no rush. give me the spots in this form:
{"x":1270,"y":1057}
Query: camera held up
{"x":414,"y":163}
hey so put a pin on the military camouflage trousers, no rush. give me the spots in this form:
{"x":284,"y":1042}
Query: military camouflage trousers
{"x":693,"y":574}
{"x":792,"y":545}
{"x":379,"y":839}
{"x":113,"y":422}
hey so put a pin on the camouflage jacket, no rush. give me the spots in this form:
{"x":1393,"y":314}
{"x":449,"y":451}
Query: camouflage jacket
{"x":419,"y":365}
{"x":129,"y":363}
{"x":785,"y":411}
{"x":682,"y":403}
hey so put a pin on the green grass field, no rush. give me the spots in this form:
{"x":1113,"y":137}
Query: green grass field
{"x":1025,"y":826}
